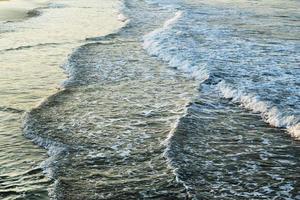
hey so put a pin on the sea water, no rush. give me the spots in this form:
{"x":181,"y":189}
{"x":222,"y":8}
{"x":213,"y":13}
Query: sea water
{"x":190,"y":99}
{"x":31,"y":53}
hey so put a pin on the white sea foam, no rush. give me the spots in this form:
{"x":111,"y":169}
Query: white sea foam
{"x":167,"y":43}
{"x":121,"y":16}
{"x":54,"y":149}
{"x":163,"y":42}
{"x":270,"y":113}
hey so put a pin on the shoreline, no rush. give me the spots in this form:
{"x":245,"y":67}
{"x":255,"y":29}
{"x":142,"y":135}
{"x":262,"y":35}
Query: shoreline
{"x":32,"y":71}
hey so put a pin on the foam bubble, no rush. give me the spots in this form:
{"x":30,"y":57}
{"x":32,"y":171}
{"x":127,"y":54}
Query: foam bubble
{"x":165,"y":43}
{"x":270,"y":113}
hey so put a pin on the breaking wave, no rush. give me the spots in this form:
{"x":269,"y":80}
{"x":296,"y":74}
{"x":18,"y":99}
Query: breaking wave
{"x":269,"y":112}
{"x":172,"y":44}
{"x":168,"y":45}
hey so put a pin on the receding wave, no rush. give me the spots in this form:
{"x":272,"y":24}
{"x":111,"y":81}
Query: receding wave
{"x":104,"y":129}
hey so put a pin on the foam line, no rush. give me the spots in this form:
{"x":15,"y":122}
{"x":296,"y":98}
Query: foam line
{"x":270,"y":113}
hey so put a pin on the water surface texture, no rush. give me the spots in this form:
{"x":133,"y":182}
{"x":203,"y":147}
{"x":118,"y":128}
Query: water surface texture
{"x":31,"y":53}
{"x":189,"y":100}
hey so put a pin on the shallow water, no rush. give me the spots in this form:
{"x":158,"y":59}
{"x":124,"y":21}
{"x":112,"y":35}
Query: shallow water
{"x":248,"y":53}
{"x":14,"y":10}
{"x":105,"y":129}
{"x":191,"y":99}
{"x":31,"y":53}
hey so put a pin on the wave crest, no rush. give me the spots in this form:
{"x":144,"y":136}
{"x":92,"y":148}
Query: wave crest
{"x":166,"y":44}
{"x":270,"y":113}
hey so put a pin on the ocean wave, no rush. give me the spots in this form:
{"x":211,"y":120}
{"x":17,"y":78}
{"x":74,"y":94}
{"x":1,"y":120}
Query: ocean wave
{"x":269,"y":112}
{"x":167,"y":45}
{"x":172,"y":44}
{"x":29,"y":126}
{"x":32,"y":130}
{"x":54,"y":150}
